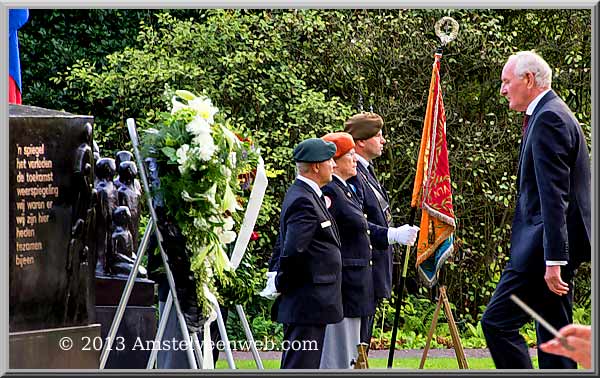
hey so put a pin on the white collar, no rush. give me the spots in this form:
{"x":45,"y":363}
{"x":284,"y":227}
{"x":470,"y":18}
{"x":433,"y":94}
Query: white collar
{"x":314,"y":186}
{"x":342,"y":180}
{"x":362,"y":161}
{"x":535,"y":101}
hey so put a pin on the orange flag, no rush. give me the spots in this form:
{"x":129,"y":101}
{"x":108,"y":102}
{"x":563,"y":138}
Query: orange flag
{"x":432,"y":191}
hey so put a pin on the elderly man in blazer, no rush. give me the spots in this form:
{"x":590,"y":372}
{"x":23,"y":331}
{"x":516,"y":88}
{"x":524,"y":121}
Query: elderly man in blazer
{"x":365,"y":128}
{"x":307,"y":259}
{"x":551,"y":225}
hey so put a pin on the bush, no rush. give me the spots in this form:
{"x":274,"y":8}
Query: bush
{"x":284,"y":75}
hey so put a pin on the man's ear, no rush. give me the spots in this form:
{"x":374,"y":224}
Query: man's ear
{"x":314,"y":167}
{"x":530,"y":76}
{"x":359,"y":143}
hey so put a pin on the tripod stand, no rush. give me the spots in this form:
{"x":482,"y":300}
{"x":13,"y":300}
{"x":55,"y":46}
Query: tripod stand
{"x":193,"y":351}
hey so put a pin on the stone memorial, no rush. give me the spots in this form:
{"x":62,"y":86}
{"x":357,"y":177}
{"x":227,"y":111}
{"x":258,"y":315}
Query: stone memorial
{"x":62,"y":207}
{"x":51,"y":223}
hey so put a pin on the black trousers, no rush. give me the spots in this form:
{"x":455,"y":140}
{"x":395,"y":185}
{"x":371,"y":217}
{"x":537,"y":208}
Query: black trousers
{"x":302,"y":346}
{"x":503,"y":319}
{"x":366,"y":328}
{"x":366,"y":325}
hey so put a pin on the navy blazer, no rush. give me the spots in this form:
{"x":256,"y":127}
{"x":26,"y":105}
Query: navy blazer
{"x":364,"y":183}
{"x":357,"y":275}
{"x":552,"y":216}
{"x":308,"y":261}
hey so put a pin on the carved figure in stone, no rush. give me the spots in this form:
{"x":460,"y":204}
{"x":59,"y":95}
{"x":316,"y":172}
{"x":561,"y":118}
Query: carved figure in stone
{"x":96,"y":151}
{"x":83,"y":215}
{"x":106,"y":204}
{"x":122,"y":258}
{"x":129,"y":195}
{"x":120,"y":157}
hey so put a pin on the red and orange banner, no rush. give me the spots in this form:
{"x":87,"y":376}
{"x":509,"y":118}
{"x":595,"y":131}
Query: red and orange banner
{"x":432,"y":191}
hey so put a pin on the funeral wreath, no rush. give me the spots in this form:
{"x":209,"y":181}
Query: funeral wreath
{"x":203,"y":169}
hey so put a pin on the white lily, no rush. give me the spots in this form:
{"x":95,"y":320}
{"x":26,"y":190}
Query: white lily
{"x":177,"y":106}
{"x":186,"y":95}
{"x":230,"y":137}
{"x":229,"y":201}
{"x":211,"y":193}
{"x":227,"y":237}
{"x":204,"y":108}
{"x":228,"y":223}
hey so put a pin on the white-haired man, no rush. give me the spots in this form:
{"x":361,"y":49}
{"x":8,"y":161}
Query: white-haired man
{"x":551,"y":225}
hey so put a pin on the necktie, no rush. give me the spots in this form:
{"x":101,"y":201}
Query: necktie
{"x":525,"y":123}
{"x":371,"y":170}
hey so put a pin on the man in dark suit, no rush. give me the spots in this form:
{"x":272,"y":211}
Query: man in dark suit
{"x":307,"y":259}
{"x":365,"y":129}
{"x":551,"y":225}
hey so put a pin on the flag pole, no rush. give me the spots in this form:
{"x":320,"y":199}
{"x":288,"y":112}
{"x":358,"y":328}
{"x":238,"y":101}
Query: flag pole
{"x":400,"y":292}
{"x":445,"y":38}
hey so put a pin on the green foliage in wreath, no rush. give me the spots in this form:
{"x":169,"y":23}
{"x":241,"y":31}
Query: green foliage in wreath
{"x":200,"y":161}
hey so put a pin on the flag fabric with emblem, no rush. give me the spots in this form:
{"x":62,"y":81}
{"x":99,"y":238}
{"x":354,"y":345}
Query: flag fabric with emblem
{"x":432,"y":191}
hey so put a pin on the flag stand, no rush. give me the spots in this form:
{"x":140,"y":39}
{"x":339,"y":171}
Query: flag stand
{"x":436,"y":191}
{"x":456,"y":343}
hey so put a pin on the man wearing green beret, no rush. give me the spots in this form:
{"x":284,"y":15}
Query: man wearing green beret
{"x":307,"y":259}
{"x":365,"y":128}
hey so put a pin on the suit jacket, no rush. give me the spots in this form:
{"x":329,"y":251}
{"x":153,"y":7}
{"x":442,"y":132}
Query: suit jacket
{"x":308,"y":261}
{"x":552,"y":216}
{"x":357,"y":275}
{"x":365,"y":185}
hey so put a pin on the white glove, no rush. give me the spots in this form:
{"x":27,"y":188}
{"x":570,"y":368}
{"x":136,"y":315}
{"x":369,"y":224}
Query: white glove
{"x":406,"y":234}
{"x":270,"y":291}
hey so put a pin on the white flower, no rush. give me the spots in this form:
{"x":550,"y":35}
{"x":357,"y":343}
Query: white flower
{"x":228,"y":223}
{"x":199,"y":223}
{"x":198,"y":126}
{"x":233,"y":159}
{"x":227,"y":237}
{"x":186,"y":197}
{"x":177,"y":106}
{"x":206,"y":146}
{"x":229,"y":201}
{"x":182,"y":154}
{"x":230,"y":137}
{"x":203,"y":140}
{"x":226,"y":172}
{"x":211,"y":193}
{"x":186,"y":95}
{"x":204,"y":108}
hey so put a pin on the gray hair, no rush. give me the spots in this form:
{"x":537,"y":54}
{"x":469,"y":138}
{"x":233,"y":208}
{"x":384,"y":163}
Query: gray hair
{"x":529,"y":61}
{"x":302,"y":167}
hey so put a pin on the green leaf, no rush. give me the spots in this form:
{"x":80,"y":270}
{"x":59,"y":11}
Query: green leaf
{"x":170,"y":153}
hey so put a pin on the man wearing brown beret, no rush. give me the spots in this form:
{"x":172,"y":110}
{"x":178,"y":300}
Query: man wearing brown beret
{"x":365,"y":129}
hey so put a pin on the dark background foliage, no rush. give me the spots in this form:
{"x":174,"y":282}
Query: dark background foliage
{"x":285,"y":75}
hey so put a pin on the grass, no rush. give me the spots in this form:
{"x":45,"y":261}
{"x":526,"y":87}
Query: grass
{"x":439,"y":363}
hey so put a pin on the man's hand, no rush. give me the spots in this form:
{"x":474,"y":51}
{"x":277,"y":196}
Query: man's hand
{"x":579,"y":337}
{"x":554,"y":281}
{"x":406,"y":234}
{"x":270,"y":291}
